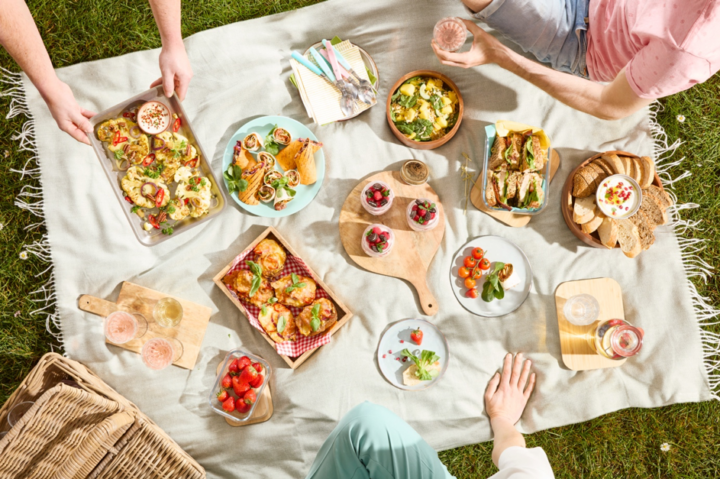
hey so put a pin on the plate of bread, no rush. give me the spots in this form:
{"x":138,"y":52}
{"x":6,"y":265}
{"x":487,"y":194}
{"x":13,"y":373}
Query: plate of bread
{"x":273,"y":166}
{"x":594,"y":224}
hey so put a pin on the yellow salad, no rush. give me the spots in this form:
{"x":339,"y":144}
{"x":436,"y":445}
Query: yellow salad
{"x":424,"y":109}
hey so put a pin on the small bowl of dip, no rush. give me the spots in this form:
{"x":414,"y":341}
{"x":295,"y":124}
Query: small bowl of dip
{"x":153,"y":117}
{"x":618,"y":196}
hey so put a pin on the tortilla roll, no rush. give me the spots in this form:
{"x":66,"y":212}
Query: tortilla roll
{"x":286,"y":157}
{"x":254,"y":178}
{"x":306,"y":165}
{"x":243,"y":158}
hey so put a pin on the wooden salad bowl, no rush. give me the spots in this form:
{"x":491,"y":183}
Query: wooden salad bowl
{"x":566,"y":201}
{"x":425,"y":145}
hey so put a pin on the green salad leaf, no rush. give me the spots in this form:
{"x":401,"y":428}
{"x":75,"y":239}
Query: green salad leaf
{"x":272,"y":146}
{"x":315,"y":322}
{"x":492,"y":289}
{"x":282,"y":323}
{"x":422,"y":128}
{"x":234,"y":179}
{"x":426,"y":359}
{"x":257,"y":277}
{"x":408,"y":101}
{"x":530,"y":153}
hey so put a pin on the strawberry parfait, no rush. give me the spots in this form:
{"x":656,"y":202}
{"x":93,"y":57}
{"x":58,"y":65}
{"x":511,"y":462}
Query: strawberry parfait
{"x":377,"y":241}
{"x":423,"y":215}
{"x":377,"y":198}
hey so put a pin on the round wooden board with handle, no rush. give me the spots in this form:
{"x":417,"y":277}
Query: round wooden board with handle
{"x":413,"y":251}
{"x":566,"y":202}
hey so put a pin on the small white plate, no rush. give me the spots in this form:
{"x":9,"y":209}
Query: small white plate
{"x":497,"y":249}
{"x":397,"y":337}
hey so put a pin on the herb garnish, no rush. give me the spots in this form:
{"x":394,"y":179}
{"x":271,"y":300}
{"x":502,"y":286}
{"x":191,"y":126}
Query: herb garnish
{"x":119,"y":154}
{"x":315,"y":312}
{"x":492,"y":289}
{"x":257,"y":277}
{"x":234,"y":179}
{"x":296,"y":284}
{"x":282,"y":322}
{"x":272,"y":146}
{"x":427,"y":358}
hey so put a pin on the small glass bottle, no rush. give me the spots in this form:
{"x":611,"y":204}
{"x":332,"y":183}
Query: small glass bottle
{"x":618,"y":339}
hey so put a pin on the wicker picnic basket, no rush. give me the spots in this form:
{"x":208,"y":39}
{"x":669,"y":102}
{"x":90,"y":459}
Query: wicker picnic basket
{"x":79,"y":427}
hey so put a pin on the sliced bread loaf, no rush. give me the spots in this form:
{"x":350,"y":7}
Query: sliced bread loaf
{"x":594,"y":223}
{"x":629,"y":238}
{"x":616,"y":164}
{"x":659,"y":194}
{"x":598,"y":173}
{"x":653,"y":210}
{"x":645,"y":229}
{"x":648,"y":172}
{"x":581,"y":188}
{"x":636,"y":169}
{"x":605,"y":166}
{"x":608,"y":232}
{"x":584,"y":210}
{"x":627,"y":164}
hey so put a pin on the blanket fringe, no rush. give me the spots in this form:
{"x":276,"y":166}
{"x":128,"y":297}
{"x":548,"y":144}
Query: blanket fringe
{"x":695,"y":266}
{"x":30,"y":199}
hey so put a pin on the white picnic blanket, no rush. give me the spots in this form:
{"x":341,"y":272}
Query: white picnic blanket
{"x":241,"y":72}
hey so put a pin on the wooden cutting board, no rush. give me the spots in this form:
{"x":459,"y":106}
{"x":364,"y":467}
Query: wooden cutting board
{"x":576,"y":346}
{"x":138,"y":299}
{"x":263,"y":411}
{"x":510,"y":219}
{"x":413,"y":251}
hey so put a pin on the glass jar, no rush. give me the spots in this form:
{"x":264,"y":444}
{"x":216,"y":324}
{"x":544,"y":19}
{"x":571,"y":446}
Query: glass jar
{"x":411,"y":214}
{"x":618,"y":339}
{"x":377,"y":189}
{"x":371,"y":241}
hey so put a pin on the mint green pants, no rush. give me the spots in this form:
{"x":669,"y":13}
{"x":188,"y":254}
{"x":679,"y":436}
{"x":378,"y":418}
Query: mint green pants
{"x":371,"y":442}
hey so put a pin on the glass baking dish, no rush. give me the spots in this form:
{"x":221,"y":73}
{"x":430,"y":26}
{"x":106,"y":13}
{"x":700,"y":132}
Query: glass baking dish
{"x":490,"y":134}
{"x":215,"y":404}
{"x":114,"y":174}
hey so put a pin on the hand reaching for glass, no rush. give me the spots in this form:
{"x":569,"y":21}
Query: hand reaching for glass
{"x":507,"y":395}
{"x":484,"y":50}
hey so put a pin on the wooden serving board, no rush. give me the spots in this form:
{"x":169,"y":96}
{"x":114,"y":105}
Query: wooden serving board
{"x":576,"y":345}
{"x":263,"y":411}
{"x":413,"y":251}
{"x":138,"y":299}
{"x":511,"y":219}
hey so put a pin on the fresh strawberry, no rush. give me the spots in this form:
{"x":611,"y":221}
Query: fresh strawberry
{"x":239,"y":386}
{"x":229,"y":404}
{"x":258,"y":381}
{"x":248,"y":374}
{"x":258,"y":367}
{"x":417,"y":336}
{"x":243,"y":362}
{"x":222,"y":395}
{"x":250,"y":397}
{"x":242,"y":406}
{"x":233,"y":368}
{"x":226,"y":381}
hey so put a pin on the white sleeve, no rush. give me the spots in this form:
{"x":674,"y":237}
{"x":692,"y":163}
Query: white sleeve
{"x":522,"y":463}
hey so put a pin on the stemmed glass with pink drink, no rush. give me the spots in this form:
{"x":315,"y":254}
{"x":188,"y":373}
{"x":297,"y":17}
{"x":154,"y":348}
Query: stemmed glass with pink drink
{"x":160,"y":352}
{"x":122,"y":326}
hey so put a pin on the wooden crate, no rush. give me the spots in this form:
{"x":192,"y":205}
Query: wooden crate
{"x":344,"y":313}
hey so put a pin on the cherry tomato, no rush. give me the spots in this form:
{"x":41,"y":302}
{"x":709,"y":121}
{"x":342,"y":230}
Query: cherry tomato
{"x":485,"y":264}
{"x":478,"y":253}
{"x":469,"y":262}
{"x":476,"y":273}
{"x":472,"y":293}
{"x":463,"y":272}
{"x":469,"y":283}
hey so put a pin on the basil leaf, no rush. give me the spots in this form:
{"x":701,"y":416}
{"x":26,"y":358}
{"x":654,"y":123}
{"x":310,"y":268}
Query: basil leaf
{"x":487,"y":292}
{"x":242,"y":185}
{"x":315,"y":311}
{"x":499,"y":292}
{"x":315,"y":324}
{"x":237,"y":172}
{"x":263,"y":310}
{"x":257,"y":280}
{"x":273,"y":300}
{"x":294,"y":278}
{"x":498,"y":267}
{"x":254,"y":267}
{"x":282,"y":323}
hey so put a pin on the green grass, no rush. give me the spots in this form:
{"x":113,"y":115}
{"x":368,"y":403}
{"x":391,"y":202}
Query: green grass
{"x":623,"y":444}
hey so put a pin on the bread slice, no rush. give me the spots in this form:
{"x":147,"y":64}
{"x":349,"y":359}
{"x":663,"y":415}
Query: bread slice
{"x":636,"y":169}
{"x":645,"y":229}
{"x":604,"y":165}
{"x":629,"y":238}
{"x":592,"y":225}
{"x":599,"y":174}
{"x":659,"y":194}
{"x":581,"y":188}
{"x":584,"y":210}
{"x":648,"y":169}
{"x":616,"y":164}
{"x":653,"y":210}
{"x":627,"y":164}
{"x":608,"y":232}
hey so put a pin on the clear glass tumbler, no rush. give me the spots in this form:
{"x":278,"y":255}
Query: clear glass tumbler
{"x":581,"y":309}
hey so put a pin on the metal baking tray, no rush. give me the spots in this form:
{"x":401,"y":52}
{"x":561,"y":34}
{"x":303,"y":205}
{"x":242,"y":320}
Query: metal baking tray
{"x":154,"y":236}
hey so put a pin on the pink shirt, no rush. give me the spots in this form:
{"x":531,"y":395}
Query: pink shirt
{"x":665,"y":46}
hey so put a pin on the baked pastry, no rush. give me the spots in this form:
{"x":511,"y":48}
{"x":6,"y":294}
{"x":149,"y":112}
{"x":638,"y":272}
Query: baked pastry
{"x":321,"y":314}
{"x":271,"y":257}
{"x":295,"y":290}
{"x":278,"y":322}
{"x":241,"y":281}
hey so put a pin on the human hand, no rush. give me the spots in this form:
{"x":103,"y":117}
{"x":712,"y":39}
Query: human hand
{"x":506,"y":396}
{"x":69,"y":116}
{"x":485,"y":49}
{"x":176,"y":70}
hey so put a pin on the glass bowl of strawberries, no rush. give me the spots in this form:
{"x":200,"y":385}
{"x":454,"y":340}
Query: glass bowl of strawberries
{"x":239,"y":386}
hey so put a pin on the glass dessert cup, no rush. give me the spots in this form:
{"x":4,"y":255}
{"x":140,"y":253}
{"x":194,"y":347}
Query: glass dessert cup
{"x":425,"y":226}
{"x":450,"y":34}
{"x":159,"y":353}
{"x":581,"y":309}
{"x":383,"y":230}
{"x":168,"y":312}
{"x":122,"y":327}
{"x":617,"y":339}
{"x":376,"y":211}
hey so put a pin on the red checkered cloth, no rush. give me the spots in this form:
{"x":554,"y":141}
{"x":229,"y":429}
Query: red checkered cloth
{"x":293,"y":264}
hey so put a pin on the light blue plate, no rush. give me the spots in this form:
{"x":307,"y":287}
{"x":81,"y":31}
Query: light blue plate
{"x":305,"y":193}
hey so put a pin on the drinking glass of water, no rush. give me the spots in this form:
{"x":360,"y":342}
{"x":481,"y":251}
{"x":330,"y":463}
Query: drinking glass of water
{"x":581,"y":309}
{"x":168,"y":312}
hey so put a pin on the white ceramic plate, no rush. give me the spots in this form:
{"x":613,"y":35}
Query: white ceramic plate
{"x":498,"y":249}
{"x":396,"y":338}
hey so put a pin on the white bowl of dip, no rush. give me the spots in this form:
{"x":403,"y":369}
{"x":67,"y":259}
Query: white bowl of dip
{"x":153,"y":117}
{"x":618,"y":196}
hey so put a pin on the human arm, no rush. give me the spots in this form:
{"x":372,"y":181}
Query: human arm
{"x":506,"y":396}
{"x":174,"y":62}
{"x":20,"y":37}
{"x":612,"y":101}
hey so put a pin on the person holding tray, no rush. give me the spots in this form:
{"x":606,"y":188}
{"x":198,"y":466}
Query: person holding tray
{"x":372,"y":442}
{"x":643,"y":49}
{"x":20,"y":37}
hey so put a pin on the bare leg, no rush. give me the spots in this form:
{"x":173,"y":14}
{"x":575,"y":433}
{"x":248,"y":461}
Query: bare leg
{"x":476,"y":5}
